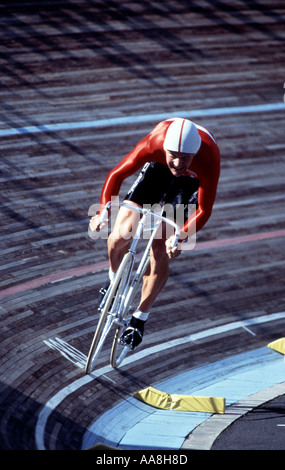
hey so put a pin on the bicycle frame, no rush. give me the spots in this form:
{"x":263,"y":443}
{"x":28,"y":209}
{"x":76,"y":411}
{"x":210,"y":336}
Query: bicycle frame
{"x":142,"y":265}
{"x":129,"y":289}
{"x":145,"y":213}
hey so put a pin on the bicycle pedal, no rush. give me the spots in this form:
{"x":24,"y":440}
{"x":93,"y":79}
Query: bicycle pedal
{"x":128,"y":337}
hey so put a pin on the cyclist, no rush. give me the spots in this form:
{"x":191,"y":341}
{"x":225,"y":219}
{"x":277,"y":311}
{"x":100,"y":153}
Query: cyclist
{"x":180,"y":164}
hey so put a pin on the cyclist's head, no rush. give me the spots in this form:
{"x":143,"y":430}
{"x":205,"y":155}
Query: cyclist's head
{"x":182,"y":136}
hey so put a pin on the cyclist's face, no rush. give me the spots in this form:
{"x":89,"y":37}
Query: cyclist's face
{"x":178,"y":162}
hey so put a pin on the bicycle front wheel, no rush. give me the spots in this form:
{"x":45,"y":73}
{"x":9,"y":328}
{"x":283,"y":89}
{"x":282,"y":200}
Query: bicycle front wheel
{"x":109,"y":311}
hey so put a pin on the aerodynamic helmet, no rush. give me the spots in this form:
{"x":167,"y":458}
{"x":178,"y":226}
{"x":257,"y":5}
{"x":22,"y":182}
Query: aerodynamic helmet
{"x":182,"y":136}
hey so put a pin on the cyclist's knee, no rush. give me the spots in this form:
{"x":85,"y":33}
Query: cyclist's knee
{"x":124,"y":227}
{"x":117,"y":242}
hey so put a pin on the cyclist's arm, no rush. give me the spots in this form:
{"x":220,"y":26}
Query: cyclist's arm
{"x":131,"y":163}
{"x":206,"y":198}
{"x":150,"y":148}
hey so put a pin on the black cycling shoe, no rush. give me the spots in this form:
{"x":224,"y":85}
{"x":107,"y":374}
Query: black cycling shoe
{"x":133,"y":334}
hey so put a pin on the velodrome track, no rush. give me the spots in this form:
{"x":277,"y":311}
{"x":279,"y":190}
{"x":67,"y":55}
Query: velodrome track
{"x":81,"y":83}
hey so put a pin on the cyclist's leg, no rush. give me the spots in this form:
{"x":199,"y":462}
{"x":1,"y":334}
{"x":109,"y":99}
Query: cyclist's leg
{"x":119,"y":240}
{"x":118,"y":243}
{"x":154,"y":280}
{"x":156,"y":276}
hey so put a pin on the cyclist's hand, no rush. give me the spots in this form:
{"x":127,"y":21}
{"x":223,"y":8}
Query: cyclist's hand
{"x":172,"y":252}
{"x":95,"y":225}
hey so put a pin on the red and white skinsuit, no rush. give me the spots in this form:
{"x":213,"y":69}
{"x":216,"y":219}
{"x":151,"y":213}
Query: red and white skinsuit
{"x":205,"y":167}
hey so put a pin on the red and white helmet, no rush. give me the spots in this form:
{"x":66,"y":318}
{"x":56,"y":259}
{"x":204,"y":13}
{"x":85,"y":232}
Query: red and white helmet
{"x":182,"y":136}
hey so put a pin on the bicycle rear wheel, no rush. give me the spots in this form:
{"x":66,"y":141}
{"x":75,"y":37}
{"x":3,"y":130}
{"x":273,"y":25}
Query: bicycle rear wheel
{"x":109,"y":311}
{"x":119,"y":351}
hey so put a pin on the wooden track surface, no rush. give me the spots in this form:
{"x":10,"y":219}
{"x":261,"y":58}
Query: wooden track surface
{"x":77,"y":61}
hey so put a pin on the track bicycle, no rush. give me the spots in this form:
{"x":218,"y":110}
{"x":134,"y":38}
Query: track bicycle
{"x":117,"y":306}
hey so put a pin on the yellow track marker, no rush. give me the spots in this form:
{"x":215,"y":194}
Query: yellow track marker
{"x":278,"y":345}
{"x":165,"y":401}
